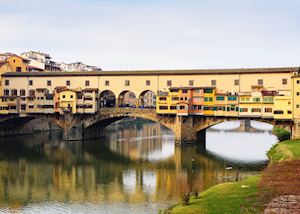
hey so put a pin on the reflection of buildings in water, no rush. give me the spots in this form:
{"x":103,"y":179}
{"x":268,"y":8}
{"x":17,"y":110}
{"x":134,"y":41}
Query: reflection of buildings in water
{"x":136,"y":143}
{"x":69,"y":172}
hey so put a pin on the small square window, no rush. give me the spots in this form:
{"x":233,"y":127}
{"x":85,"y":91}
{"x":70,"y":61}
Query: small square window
{"x":30,"y":82}
{"x":298,"y":81}
{"x":6,"y":82}
{"x":284,"y":81}
{"x":297,"y":106}
{"x":18,"y":69}
{"x":260,"y":82}
{"x":213,"y":82}
{"x":169,"y":83}
{"x":298,"y":93}
{"x":147,"y":82}
{"x":191,"y":82}
{"x":71,"y":96}
{"x":236,"y":82}
{"x":127,"y":82}
{"x":48,"y":82}
{"x":106,"y":83}
{"x":87,"y":83}
{"x":63,"y":96}
{"x":68,"y":82}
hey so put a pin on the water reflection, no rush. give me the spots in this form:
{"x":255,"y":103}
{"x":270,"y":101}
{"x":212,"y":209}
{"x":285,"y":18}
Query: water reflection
{"x":136,"y":168}
{"x":239,"y":146}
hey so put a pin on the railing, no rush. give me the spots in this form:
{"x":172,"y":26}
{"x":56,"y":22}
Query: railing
{"x":127,"y":110}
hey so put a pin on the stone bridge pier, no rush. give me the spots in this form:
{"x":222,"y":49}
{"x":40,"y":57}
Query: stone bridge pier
{"x":72,"y":126}
{"x":185,"y":130}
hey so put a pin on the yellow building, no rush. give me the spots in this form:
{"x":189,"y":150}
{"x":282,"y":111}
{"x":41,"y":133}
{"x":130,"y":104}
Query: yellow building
{"x":67,"y":101}
{"x":226,"y":104}
{"x":10,"y":63}
{"x":296,"y":103}
{"x":163,"y":103}
{"x":232,"y":105}
{"x":220,"y":104}
{"x":268,"y":103}
{"x":283,"y":108}
{"x":18,"y":64}
{"x":209,"y":100}
{"x":174,"y":99}
{"x":250,"y":104}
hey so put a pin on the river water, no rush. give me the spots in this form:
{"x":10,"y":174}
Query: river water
{"x":136,"y":168}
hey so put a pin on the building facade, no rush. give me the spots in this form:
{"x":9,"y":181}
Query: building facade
{"x":266,"y":92}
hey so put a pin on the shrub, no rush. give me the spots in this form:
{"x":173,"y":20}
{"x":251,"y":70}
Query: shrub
{"x":281,"y":133}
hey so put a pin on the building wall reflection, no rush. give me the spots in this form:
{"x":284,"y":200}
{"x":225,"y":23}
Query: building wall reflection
{"x":39,"y":168}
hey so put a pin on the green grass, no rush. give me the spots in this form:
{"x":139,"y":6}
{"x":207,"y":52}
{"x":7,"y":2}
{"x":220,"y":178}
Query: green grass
{"x":231,"y":198}
{"x":281,"y":133}
{"x":283,"y":151}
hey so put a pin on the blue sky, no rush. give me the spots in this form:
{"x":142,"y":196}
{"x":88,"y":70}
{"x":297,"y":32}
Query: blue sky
{"x":156,"y":34}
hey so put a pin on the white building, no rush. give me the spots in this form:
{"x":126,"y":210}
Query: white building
{"x":78,"y":66}
{"x":40,"y":61}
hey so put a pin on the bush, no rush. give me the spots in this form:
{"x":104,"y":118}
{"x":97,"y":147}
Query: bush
{"x":281,"y":133}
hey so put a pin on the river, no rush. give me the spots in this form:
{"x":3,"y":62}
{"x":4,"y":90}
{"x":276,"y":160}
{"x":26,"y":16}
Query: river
{"x":136,"y":168}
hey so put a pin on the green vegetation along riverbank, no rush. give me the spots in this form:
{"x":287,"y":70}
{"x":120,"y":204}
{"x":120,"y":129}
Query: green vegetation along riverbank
{"x":252,"y":194}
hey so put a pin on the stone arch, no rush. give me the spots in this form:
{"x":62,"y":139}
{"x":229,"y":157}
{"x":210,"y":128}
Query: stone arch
{"x":107,"y":98}
{"x":208,"y":122}
{"x":108,"y":116}
{"x":127,"y":98}
{"x":147,"y":99}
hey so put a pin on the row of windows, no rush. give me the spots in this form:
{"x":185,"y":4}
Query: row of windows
{"x":257,"y":99}
{"x":199,"y":107}
{"x":223,"y":108}
{"x":181,"y":107}
{"x":14,"y":92}
{"x":230,"y":98}
{"x":23,"y":107}
{"x":206,"y":99}
{"x":169,"y":82}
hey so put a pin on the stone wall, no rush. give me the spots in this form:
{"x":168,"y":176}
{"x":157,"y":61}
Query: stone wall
{"x":26,"y":125}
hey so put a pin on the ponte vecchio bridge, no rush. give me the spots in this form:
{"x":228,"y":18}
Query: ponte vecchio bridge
{"x":186,"y":101}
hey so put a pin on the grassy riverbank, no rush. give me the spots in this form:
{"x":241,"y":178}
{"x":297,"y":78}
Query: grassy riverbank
{"x":284,"y":151}
{"x":231,"y":198}
{"x":250,"y":195}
